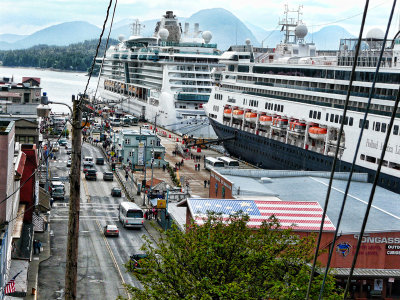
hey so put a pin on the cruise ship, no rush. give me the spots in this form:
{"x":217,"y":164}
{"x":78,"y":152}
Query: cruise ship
{"x":285,"y":105}
{"x":165,"y":78}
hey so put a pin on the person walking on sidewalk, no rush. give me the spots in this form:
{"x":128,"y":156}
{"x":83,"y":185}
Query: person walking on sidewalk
{"x":39,"y":246}
{"x":205,"y":183}
{"x":34,"y":246}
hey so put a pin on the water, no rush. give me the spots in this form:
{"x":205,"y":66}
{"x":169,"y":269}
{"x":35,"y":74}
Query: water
{"x":60,"y":86}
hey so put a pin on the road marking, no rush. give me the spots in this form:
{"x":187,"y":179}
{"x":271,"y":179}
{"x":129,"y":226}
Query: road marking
{"x":112,"y":257}
{"x":86,"y":190}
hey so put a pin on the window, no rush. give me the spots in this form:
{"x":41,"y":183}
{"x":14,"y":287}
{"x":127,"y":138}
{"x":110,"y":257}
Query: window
{"x":351,"y":122}
{"x":314,"y":114}
{"x":127,"y":141}
{"x":336,"y":118}
{"x":332,"y":117}
{"x":396,"y":129}
{"x":377,"y":126}
{"x":383,"y":128}
{"x":319,"y":115}
{"x":310,"y":115}
{"x":362,"y":156}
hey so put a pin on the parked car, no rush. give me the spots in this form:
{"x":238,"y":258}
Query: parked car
{"x":135,"y":260}
{"x":99,"y":160}
{"x":108,"y":176}
{"x":91,"y":174}
{"x":69,"y":163}
{"x":116,"y":192}
{"x":111,"y":230}
{"x":62,"y":142}
{"x":69,"y":151}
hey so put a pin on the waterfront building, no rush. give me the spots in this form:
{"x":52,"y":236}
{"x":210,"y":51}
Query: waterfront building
{"x":141,"y":148}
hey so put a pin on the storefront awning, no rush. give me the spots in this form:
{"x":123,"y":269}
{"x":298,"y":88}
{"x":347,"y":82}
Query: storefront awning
{"x":380,"y":273}
{"x":44,"y":199}
{"x":20,"y":165}
{"x":19,"y":221}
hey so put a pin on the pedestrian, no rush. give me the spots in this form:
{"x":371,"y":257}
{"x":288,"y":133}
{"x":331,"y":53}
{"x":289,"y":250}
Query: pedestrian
{"x":208,"y":182}
{"x":155,"y":214}
{"x":34,"y":246}
{"x":198,"y":167}
{"x":195,"y":167}
{"x":182,"y":162}
{"x":126,"y":176}
{"x":205,"y":183}
{"x":39,"y":245}
{"x":164,"y":167}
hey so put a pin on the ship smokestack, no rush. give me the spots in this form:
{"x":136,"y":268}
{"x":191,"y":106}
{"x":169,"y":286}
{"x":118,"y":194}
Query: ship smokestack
{"x":186,"y":29}
{"x":196,"y":28}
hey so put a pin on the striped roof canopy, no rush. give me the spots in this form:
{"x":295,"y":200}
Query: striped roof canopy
{"x":299,"y":215}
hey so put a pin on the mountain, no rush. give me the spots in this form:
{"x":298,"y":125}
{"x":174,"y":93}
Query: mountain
{"x":328,"y":37}
{"x":11,"y":38}
{"x":61,"y":35}
{"x":226,"y":28}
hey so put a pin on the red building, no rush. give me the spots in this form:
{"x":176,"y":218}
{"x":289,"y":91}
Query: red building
{"x":29,"y":191}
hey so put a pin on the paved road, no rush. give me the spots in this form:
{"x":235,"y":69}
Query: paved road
{"x":101,"y":270}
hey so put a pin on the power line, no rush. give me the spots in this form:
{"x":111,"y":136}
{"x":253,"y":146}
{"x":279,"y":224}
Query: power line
{"x":337,"y":150}
{"x":97,"y":51}
{"x":105,"y":49}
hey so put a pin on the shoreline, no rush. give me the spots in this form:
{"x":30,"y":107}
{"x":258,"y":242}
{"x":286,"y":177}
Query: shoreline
{"x":47,"y":69}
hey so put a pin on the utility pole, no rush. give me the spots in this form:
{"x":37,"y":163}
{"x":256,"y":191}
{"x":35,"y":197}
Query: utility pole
{"x":152,"y":154}
{"x":74,"y":202}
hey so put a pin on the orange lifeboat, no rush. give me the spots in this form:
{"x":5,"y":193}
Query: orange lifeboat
{"x":317,"y":133}
{"x":280,"y":122}
{"x":250,"y":117}
{"x":266,"y":120}
{"x":227,"y":112}
{"x":238,"y":113}
{"x":297,"y":126}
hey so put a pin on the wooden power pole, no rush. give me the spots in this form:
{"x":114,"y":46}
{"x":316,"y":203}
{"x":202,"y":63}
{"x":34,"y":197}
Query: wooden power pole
{"x":74,"y":202}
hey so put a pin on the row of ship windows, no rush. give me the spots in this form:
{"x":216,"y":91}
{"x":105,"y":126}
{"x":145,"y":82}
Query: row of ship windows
{"x":275,"y":107}
{"x":375,"y":160}
{"x":323,"y":87}
{"x":307,"y":98}
{"x":380,"y":127}
{"x":329,"y":74}
{"x":253,"y":103}
{"x":218,"y":96}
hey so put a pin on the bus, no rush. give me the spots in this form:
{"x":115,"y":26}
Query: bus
{"x":229,"y":162}
{"x":130,"y":215}
{"x":212,"y":162}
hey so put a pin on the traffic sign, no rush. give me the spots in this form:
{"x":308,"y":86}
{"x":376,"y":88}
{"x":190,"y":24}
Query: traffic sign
{"x":161,"y":203}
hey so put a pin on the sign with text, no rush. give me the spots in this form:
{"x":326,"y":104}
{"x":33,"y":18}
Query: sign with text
{"x":141,"y":154}
{"x":161,"y":203}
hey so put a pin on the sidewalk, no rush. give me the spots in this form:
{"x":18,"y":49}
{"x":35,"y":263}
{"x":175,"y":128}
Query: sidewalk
{"x":33,"y":270}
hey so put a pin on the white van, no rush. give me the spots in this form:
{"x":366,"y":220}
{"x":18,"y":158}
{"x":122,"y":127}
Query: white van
{"x":229,"y":162}
{"x":145,"y":126}
{"x":130,"y":215}
{"x":88,"y":161}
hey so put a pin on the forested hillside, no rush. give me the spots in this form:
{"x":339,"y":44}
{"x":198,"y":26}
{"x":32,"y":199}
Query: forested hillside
{"x":75,"y":57}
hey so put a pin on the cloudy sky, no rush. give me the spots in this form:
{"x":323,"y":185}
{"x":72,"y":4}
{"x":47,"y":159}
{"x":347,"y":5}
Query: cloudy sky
{"x":28,"y":16}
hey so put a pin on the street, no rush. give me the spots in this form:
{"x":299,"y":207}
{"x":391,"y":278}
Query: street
{"x":101,"y":271}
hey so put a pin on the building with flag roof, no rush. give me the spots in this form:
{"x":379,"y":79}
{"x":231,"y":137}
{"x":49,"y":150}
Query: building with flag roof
{"x":296,"y":199}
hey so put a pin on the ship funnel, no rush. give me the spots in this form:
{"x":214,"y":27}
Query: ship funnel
{"x":196,"y":28}
{"x":186,"y":29}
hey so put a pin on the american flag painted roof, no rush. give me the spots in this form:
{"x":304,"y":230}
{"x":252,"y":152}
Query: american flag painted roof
{"x":299,"y":215}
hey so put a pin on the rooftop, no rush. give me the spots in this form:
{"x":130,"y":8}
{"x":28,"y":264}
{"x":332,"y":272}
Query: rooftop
{"x":299,"y":215}
{"x":312,"y":187}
